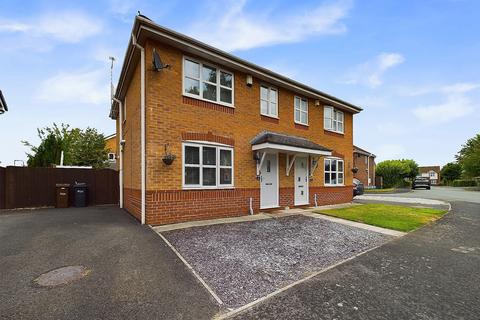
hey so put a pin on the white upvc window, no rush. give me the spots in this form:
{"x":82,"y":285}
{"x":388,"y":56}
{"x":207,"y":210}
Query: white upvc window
{"x":333,"y":119}
{"x":207,"y":82}
{"x":301,"y":110}
{"x":207,"y":166}
{"x":268,"y":101}
{"x":334,"y":171}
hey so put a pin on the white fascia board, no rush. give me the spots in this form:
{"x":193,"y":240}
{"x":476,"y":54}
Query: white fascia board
{"x":281,"y":147}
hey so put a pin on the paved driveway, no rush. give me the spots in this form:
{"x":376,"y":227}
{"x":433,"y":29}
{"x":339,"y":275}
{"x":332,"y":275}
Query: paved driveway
{"x":134,"y":275}
{"x":432,"y":273}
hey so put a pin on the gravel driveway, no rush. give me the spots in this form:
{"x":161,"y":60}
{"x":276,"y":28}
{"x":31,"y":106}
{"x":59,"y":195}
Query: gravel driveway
{"x":244,"y":261}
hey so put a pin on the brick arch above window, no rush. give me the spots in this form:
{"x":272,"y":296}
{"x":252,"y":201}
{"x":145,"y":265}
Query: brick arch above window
{"x":338,"y":155}
{"x":208,"y":136}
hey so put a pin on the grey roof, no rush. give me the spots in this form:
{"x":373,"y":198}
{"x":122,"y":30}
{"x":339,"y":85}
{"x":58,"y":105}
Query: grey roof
{"x":287,"y":140}
{"x":363,"y":151}
{"x":3,"y":103}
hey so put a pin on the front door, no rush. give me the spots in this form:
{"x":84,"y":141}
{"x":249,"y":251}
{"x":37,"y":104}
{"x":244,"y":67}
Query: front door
{"x":269,"y":182}
{"x":301,"y":181}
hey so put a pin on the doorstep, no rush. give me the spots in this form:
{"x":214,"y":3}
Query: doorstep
{"x":199,"y":223}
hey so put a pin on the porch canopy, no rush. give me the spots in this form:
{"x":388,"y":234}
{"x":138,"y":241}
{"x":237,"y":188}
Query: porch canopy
{"x":278,"y":142}
{"x":271,"y":142}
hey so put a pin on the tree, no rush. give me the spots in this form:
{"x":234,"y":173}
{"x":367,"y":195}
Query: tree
{"x":469,"y":157}
{"x":80,"y":147}
{"x":88,"y":149}
{"x":52,"y":141}
{"x":393,"y":172}
{"x":412,"y":168}
{"x":451,"y":171}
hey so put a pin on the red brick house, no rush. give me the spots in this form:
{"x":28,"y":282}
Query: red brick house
{"x":432,"y":172}
{"x":203,"y":134}
{"x":364,"y":161}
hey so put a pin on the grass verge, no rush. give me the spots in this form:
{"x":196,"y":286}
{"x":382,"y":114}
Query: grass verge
{"x":393,"y":217}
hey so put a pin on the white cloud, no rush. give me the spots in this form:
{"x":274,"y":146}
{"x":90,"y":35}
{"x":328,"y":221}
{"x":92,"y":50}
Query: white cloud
{"x":391,"y":128}
{"x":90,"y":87}
{"x":456,"y":105}
{"x":70,"y":26}
{"x":231,"y":27}
{"x":371,"y":72}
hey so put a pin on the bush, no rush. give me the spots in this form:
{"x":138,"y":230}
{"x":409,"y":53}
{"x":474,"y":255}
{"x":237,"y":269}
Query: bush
{"x":464,"y":183}
{"x":394,"y":172}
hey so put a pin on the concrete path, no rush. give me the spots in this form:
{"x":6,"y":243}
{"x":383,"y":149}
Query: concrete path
{"x":431,"y":273}
{"x":132,"y":273}
{"x":429,"y":202}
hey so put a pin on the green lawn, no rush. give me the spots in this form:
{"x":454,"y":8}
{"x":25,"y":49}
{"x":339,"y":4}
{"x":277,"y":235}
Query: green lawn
{"x":387,"y":216}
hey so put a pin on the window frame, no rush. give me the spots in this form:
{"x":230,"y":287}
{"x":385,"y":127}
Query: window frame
{"x":201,"y":166}
{"x":333,"y":120}
{"x":300,"y":110}
{"x":330,"y":184}
{"x":269,"y":102}
{"x":218,"y":85}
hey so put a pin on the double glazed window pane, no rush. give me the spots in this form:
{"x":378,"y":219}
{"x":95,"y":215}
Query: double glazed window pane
{"x":209,"y":156}
{"x":225,"y":176}
{"x":192,"y":155}
{"x":192,"y":86}
{"x":209,"y":176}
{"x":303,"y":117}
{"x":226,"y":79}
{"x":225,"y":158}
{"x":192,"y":69}
{"x":226,"y":95}
{"x":209,"y":74}
{"x":192,"y":175}
{"x":209,"y":91}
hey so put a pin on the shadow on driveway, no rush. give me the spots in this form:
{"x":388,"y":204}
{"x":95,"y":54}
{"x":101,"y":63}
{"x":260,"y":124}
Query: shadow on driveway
{"x":134,"y":275}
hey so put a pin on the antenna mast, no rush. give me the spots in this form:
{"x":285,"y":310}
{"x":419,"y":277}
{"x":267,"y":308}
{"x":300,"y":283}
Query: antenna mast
{"x":111,"y":78}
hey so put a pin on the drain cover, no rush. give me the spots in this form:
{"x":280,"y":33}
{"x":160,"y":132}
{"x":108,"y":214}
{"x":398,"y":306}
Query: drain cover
{"x":61,"y":276}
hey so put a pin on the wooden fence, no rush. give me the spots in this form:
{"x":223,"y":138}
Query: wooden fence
{"x":22,"y":187}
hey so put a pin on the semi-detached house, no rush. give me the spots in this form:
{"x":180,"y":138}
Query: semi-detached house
{"x":203,"y":134}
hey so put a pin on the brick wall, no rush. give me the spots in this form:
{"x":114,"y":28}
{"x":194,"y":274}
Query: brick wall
{"x":172,"y":118}
{"x":362,"y":174}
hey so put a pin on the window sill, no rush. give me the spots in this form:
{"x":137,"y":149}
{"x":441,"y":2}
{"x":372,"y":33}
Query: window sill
{"x":209,"y":101}
{"x":301,"y":124}
{"x":333,"y":185}
{"x":334,"y":133}
{"x":208,"y":188}
{"x":269,"y":116}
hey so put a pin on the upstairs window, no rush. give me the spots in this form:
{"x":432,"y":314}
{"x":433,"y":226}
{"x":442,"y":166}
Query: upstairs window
{"x":207,"y":82}
{"x":268,"y":101}
{"x":207,"y":166}
{"x":333,"y":172}
{"x":301,"y":110}
{"x":333,"y":120}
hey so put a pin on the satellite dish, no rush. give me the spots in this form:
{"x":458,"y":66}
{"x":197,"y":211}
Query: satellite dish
{"x":157,"y":62}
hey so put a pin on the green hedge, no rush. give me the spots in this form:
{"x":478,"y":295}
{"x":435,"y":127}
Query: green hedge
{"x":464,"y":183}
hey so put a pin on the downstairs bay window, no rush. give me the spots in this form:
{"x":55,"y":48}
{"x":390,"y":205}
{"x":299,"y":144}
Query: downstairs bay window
{"x":207,"y":166}
{"x":333,"y":172}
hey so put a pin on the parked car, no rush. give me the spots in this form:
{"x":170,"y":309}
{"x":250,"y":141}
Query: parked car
{"x":357,"y":187}
{"x":421,"y":182}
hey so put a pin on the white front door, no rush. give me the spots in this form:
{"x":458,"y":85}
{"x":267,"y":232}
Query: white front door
{"x":269,"y":182}
{"x":301,"y":181}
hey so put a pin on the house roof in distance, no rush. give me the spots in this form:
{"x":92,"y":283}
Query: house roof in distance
{"x":286,"y":140}
{"x":3,"y":103}
{"x":425,"y":169}
{"x":363,"y":151}
{"x":144,"y":28}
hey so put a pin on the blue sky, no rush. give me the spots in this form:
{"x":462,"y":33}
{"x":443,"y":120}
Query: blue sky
{"x":413,"y":65}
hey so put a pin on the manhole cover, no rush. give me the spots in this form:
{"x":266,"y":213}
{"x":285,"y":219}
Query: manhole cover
{"x":61,"y":276}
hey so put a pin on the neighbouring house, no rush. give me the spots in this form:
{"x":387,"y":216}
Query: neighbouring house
{"x":111,"y":146}
{"x":432,"y":172}
{"x":203,"y":134}
{"x":364,"y":161}
{"x":3,"y":103}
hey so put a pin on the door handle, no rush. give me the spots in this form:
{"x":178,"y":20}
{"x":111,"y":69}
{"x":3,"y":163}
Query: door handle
{"x":268,"y":184}
{"x":300,"y":186}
